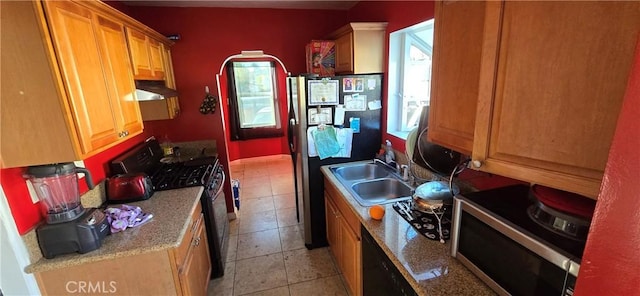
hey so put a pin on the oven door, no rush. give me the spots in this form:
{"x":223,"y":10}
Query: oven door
{"x":507,"y":260}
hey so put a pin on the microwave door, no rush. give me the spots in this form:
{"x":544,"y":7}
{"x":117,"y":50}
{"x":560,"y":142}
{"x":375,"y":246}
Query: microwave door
{"x":509,"y":261}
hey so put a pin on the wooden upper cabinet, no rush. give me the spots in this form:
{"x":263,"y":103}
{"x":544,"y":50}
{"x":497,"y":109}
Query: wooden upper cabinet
{"x":360,"y":48}
{"x":146,"y":54}
{"x":113,"y":45}
{"x":139,"y":52}
{"x":67,"y":83}
{"x":552,"y":80}
{"x":457,"y":50}
{"x":79,"y":54}
{"x":163,"y":109}
{"x":344,"y":53}
{"x":157,"y":61}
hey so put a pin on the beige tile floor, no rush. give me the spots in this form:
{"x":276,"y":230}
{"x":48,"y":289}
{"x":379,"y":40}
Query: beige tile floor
{"x":266,"y":253}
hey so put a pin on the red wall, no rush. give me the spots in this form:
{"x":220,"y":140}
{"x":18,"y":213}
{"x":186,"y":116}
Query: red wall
{"x":208,"y":37}
{"x":25,"y":212}
{"x":610,"y":265}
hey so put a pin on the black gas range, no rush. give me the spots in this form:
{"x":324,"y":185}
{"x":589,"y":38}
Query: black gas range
{"x":204,"y":171}
{"x":179,"y":175}
{"x":148,"y":158}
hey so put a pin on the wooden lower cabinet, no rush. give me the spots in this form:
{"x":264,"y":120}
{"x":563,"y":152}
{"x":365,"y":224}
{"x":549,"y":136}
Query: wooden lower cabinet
{"x":343,"y":234}
{"x":194,"y":273}
{"x":351,"y":258}
{"x":184,"y":270}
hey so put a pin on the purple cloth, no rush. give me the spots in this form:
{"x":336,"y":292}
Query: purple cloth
{"x":126,"y":216}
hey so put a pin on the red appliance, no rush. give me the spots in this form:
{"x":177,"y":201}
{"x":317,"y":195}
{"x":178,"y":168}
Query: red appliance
{"x":129,"y":188}
{"x":564,"y":213}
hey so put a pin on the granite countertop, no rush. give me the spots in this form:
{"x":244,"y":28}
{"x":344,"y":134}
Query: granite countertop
{"x":426,"y":264}
{"x":171,"y":211}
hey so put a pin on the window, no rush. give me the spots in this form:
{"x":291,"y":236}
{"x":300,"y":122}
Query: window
{"x":254,"y":111}
{"x":410,"y":53}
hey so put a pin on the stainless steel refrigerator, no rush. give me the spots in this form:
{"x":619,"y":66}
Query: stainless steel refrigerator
{"x":309,"y":185}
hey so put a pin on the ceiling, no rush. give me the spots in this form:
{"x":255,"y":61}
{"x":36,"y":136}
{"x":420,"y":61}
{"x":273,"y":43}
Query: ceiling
{"x":280,"y":4}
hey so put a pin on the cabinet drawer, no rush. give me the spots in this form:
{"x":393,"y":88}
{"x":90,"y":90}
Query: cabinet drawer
{"x":196,"y":219}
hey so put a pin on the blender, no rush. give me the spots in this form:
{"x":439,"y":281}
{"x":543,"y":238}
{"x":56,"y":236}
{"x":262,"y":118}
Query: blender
{"x":68,"y":227}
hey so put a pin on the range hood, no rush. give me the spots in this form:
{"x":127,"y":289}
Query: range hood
{"x":152,"y":90}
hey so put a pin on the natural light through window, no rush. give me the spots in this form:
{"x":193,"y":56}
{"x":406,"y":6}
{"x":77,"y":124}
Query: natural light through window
{"x":253,"y":100}
{"x":255,"y":95}
{"x":410,"y":53}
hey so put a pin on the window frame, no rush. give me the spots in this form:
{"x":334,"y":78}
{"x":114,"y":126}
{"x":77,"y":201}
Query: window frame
{"x":400,"y":42}
{"x":239,"y":133}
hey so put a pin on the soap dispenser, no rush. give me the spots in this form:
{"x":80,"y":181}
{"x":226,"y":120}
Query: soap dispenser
{"x":389,"y":155}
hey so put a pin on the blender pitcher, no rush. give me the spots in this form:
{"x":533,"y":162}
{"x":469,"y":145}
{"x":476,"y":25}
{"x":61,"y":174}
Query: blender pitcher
{"x":56,"y":186}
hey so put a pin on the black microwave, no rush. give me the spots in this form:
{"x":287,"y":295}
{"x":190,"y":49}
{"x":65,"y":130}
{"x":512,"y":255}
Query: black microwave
{"x":493,"y":237}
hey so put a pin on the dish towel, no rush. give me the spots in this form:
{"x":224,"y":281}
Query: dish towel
{"x":326,"y":142}
{"x":340,"y":142}
{"x":126,"y":216}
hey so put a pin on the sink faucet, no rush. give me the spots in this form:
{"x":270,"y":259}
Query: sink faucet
{"x":376,"y":160}
{"x":400,"y":170}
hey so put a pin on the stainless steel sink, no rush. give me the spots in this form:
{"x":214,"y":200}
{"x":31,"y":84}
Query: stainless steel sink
{"x":372,"y":183}
{"x":367,"y":171}
{"x":382,"y":191}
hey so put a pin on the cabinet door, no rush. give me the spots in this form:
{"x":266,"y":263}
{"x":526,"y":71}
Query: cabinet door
{"x":139,"y":51}
{"x":156,"y":52}
{"x":79,"y":57}
{"x":351,"y":258}
{"x":333,"y":228}
{"x":169,"y":78}
{"x":113,"y":45}
{"x":553,"y":76}
{"x":173,"y":104}
{"x":194,"y":275}
{"x":456,"y":71}
{"x":344,"y":53}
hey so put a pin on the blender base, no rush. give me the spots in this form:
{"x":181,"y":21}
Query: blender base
{"x":81,"y":235}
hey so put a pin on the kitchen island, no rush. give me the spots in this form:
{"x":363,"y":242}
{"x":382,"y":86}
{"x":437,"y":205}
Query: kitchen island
{"x":426,"y":264}
{"x":152,"y":259}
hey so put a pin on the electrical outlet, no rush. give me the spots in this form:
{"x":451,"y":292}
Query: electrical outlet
{"x":80,"y":164}
{"x":32,"y":192}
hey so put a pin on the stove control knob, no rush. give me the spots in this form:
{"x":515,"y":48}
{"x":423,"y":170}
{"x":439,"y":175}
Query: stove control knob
{"x":91,"y":220}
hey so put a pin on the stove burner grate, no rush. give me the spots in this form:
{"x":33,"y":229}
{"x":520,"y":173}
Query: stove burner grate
{"x":425,"y":223}
{"x":178,"y":175}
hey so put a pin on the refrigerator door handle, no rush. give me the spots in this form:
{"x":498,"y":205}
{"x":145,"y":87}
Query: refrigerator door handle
{"x":290,"y":135}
